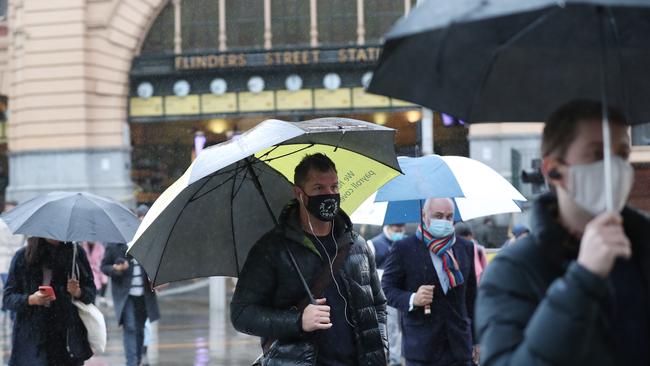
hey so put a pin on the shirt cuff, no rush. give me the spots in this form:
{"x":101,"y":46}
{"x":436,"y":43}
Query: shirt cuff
{"x":411,"y":306}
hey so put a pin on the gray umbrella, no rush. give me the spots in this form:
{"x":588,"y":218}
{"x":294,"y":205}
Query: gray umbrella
{"x":73,"y":216}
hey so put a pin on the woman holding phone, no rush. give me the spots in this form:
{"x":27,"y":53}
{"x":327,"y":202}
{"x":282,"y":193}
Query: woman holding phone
{"x":47,"y":329}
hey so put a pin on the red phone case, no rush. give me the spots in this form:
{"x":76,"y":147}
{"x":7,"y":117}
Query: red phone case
{"x":48,"y":290}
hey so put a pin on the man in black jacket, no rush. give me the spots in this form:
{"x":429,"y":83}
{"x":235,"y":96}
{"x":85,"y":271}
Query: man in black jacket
{"x":576,"y":290}
{"x":347,"y":323}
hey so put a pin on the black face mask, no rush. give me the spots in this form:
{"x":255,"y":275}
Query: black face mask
{"x":324,"y":207}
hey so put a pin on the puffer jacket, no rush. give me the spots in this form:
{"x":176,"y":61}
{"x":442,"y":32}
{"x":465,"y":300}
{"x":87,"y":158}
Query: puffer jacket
{"x":269,"y":288}
{"x":537,"y":306}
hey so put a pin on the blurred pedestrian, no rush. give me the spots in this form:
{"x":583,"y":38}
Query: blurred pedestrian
{"x":347,"y":323}
{"x":381,"y":245}
{"x":518,"y":231}
{"x":480,"y":258}
{"x":484,"y":233}
{"x":576,"y":290}
{"x":47,"y":329}
{"x":430,"y":278}
{"x":95,"y":254}
{"x":134,"y":299}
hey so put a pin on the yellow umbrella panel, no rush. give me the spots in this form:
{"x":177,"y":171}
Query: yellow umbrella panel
{"x":359,"y":175}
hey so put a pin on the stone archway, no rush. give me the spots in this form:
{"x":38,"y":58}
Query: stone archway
{"x":69,"y":65}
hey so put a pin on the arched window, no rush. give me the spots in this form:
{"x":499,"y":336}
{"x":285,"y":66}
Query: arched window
{"x":380,"y":15}
{"x":160,"y":38}
{"x":337,"y":22}
{"x":245,"y":24}
{"x":290,"y":22}
{"x":199,"y":25}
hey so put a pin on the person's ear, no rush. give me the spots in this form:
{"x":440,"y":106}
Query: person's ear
{"x":297,"y":193}
{"x":553,"y":170}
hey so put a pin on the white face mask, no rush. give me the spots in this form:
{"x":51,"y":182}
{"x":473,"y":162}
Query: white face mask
{"x":587,"y":184}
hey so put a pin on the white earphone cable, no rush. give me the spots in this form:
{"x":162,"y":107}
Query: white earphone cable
{"x":330,"y":262}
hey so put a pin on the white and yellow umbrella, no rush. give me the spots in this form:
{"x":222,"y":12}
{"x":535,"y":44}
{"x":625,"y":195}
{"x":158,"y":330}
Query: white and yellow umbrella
{"x":206,"y":222}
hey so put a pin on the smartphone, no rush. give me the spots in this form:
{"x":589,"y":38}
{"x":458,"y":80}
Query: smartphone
{"x":47,"y":290}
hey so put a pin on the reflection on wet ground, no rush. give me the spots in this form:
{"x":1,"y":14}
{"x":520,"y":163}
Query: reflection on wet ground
{"x":187,"y":334}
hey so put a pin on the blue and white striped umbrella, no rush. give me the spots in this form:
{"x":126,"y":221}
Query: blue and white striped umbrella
{"x":477,"y":190}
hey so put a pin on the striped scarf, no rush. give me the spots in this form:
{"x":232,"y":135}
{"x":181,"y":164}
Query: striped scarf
{"x":440,"y":247}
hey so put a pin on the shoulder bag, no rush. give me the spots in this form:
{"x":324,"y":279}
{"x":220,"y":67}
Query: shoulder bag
{"x":91,"y":317}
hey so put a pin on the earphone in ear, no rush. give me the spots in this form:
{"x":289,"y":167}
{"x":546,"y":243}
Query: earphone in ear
{"x":554,"y":174}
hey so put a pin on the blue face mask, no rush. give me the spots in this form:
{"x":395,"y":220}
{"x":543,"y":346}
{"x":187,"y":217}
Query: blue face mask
{"x":398,"y":235}
{"x":440,"y":228}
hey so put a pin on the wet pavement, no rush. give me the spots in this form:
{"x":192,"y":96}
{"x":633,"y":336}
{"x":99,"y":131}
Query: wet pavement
{"x":187,"y":334}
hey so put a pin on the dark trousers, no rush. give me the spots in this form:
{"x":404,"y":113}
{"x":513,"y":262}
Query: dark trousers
{"x":134,"y":316}
{"x":443,"y":358}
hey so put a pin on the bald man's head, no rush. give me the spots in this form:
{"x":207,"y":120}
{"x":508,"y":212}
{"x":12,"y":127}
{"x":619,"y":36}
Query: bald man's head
{"x":438,"y":209}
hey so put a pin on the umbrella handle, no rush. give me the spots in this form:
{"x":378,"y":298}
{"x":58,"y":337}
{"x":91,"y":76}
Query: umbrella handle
{"x":74,"y":272}
{"x":302,"y":278}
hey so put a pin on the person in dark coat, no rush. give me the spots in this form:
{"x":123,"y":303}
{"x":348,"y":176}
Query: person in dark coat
{"x":45,"y":327}
{"x":348,"y":323}
{"x":576,"y":290}
{"x":384,"y":241}
{"x":381,"y":245}
{"x":429,"y":277}
{"x":133,"y":298}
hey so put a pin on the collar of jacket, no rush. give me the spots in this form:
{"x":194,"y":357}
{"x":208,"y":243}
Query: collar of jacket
{"x":289,"y":226}
{"x":560,"y":247}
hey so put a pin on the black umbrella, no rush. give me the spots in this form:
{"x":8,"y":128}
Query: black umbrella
{"x":514,"y":60}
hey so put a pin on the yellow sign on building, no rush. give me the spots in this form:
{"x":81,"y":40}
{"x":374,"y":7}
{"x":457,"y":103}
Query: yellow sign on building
{"x":141,"y":107}
{"x":226,"y":103}
{"x":361,"y":99}
{"x":332,"y":99}
{"x":182,"y":105}
{"x":401,"y":103}
{"x":256,"y":102}
{"x":293,"y":100}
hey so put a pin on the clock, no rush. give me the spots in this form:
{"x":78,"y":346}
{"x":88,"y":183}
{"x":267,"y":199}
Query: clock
{"x":332,"y":81}
{"x":365,"y":79}
{"x":145,"y":90}
{"x":255,"y":84}
{"x":293,"y":82}
{"x":218,"y":86}
{"x":181,"y":88}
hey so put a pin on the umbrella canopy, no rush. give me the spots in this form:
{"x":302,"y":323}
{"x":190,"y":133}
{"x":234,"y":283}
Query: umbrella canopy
{"x":73,"y":216}
{"x":446,"y":176}
{"x":477,"y":190}
{"x":402,"y":212}
{"x":206,"y":222}
{"x":512,"y":60}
